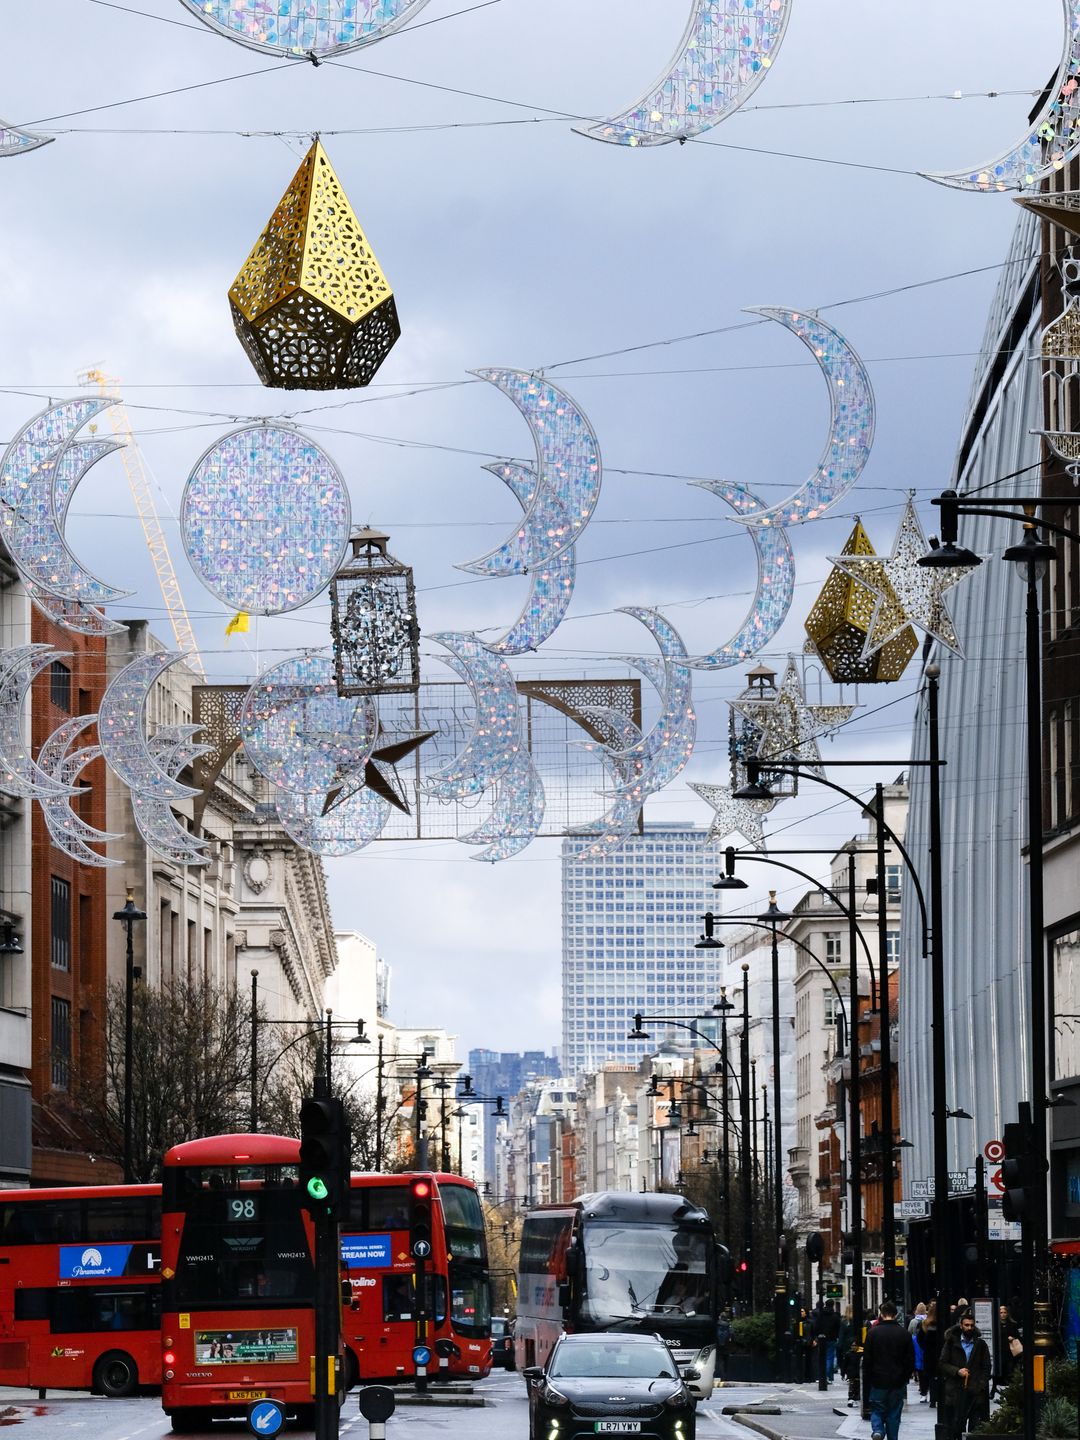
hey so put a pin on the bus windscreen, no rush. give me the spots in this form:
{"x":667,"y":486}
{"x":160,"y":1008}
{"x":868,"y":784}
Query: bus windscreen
{"x":635,"y":1272}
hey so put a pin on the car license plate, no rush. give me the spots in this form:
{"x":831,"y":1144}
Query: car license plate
{"x":245,"y":1395}
{"x":618,"y":1427}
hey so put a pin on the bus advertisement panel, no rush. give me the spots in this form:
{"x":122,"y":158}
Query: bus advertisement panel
{"x":382,"y":1324}
{"x":621,"y":1261}
{"x":79,"y":1291}
{"x":238,"y":1282}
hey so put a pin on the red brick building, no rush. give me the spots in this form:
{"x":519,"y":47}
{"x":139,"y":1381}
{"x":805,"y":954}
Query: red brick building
{"x":69,"y":928}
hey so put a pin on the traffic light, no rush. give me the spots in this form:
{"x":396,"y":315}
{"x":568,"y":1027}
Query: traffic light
{"x":847,"y":1254}
{"x":420,"y":1218}
{"x":324,"y":1157}
{"x":1021,"y":1172}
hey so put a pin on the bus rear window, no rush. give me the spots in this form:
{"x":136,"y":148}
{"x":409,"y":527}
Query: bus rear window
{"x":243,"y":1246}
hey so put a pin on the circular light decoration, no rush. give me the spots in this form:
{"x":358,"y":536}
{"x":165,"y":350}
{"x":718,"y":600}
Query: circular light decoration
{"x":348,"y":827}
{"x":725,"y":53}
{"x":265,"y":518}
{"x":299,"y":733}
{"x":312,"y":28}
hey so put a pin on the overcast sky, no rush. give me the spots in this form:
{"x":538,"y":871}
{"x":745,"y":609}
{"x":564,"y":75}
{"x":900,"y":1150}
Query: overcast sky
{"x":521,"y":244}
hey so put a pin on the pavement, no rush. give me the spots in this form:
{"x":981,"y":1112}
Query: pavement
{"x":807,"y":1413}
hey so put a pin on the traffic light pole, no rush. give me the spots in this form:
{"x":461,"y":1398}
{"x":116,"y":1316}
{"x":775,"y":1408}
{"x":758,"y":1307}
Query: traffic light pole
{"x":327,"y":1327}
{"x":324,"y":1179}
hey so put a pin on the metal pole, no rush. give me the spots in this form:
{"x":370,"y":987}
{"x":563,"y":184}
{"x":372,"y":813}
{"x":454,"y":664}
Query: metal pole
{"x":780,"y":1295}
{"x":725,"y":1117}
{"x":329,"y":1042}
{"x":744,"y":1120}
{"x":421,"y":1138}
{"x":380,"y":1105}
{"x":940,"y":1205}
{"x":129,"y":1027}
{"x":855,"y":1123}
{"x":1035,"y":1246}
{"x":888,"y":1188}
{"x":982,"y":1220}
{"x":254,"y":1118}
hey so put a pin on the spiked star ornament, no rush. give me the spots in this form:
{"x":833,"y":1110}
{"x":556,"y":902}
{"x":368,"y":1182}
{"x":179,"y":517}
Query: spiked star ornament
{"x":789,"y":726}
{"x":907,"y":593}
{"x":733,"y":817}
{"x":380,"y":771}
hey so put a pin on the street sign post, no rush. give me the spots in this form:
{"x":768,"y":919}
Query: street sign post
{"x":376,"y":1405}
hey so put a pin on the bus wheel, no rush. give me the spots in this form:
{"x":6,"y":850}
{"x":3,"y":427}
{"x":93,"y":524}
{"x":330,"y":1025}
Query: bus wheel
{"x":116,"y":1375}
{"x":352,"y":1371}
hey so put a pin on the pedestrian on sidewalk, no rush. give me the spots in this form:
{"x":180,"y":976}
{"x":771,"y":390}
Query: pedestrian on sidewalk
{"x":966,"y":1369}
{"x":888,"y":1365}
{"x":930,"y":1343}
{"x":829,"y":1327}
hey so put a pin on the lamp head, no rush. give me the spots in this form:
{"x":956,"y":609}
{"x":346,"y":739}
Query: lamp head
{"x":947,"y":556}
{"x":774,"y":915}
{"x":708,"y":940}
{"x":959,"y":1114}
{"x":729,"y":880}
{"x":723,"y":1003}
{"x":361,"y":1037}
{"x":1032,"y":556}
{"x":638,"y":1033}
{"x":131,"y":911}
{"x":10,"y":943}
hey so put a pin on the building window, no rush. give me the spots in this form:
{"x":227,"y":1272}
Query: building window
{"x":60,"y":686}
{"x":892,"y":883}
{"x":61,"y":1043}
{"x":892,"y":946}
{"x":834,"y":948}
{"x":61,"y":924}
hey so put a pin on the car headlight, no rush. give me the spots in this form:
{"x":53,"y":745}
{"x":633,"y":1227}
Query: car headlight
{"x":551,"y":1396}
{"x":704,"y":1355}
{"x":679,"y":1399}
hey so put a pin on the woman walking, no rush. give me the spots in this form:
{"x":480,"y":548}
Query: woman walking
{"x":930,"y":1344}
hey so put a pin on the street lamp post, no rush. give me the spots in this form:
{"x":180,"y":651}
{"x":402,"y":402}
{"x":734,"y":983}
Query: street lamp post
{"x":724,"y":1006}
{"x":128,"y":917}
{"x":774,"y":917}
{"x":323,"y":1029}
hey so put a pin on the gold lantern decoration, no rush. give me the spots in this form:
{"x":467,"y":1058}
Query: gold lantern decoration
{"x":840,"y":621}
{"x":311,"y":305}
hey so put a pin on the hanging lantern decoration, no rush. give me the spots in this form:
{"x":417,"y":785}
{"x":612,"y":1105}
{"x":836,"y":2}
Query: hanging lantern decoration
{"x":373,"y":621}
{"x":1059,"y":346}
{"x":841,"y":619}
{"x":311,"y":306}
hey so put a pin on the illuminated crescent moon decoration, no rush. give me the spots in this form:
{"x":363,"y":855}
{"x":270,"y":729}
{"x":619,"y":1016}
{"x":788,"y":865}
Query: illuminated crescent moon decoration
{"x":122,"y":728}
{"x":299,"y":733}
{"x":265,"y":519}
{"x":68,"y":831}
{"x":72,"y":615}
{"x":172,"y":748}
{"x":353,"y":822}
{"x":33,"y":529}
{"x":1053,"y":139}
{"x":299,"y":28}
{"x":568,"y":469}
{"x":665,"y":749}
{"x":496,"y":738}
{"x":40,"y":440}
{"x":851,"y":421}
{"x":615,"y":827}
{"x":725,"y":53}
{"x":518,"y":812}
{"x":14,"y":141}
{"x":775,"y":583}
{"x":19,"y":775}
{"x":552,"y":586}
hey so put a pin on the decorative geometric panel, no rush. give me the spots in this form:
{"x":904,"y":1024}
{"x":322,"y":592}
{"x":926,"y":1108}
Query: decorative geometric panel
{"x":265,"y":519}
{"x":311,"y":305}
{"x":725,"y":53}
{"x":840,"y":621}
{"x":305,"y":27}
{"x":14,"y":141}
{"x":299,"y":733}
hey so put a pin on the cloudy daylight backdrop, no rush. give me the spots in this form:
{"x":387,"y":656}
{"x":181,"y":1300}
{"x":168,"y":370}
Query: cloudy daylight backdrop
{"x":509,"y":240}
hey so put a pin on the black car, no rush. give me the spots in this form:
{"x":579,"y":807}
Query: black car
{"x":502,"y":1342}
{"x":609,"y":1385}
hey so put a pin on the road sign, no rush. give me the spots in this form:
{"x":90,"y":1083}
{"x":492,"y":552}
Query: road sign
{"x":421,"y":1355}
{"x":994,"y":1151}
{"x":266,"y":1417}
{"x":912,"y":1209}
{"x":997,"y":1180}
{"x":421,"y":1249}
{"x":997,"y":1227}
{"x":961,"y":1182}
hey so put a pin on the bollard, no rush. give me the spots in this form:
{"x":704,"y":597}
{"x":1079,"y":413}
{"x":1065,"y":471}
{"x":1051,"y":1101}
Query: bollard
{"x":822,"y":1365}
{"x":376,"y":1406}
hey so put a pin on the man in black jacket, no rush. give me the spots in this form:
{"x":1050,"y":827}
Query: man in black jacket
{"x":888,"y":1365}
{"x":966,"y":1369}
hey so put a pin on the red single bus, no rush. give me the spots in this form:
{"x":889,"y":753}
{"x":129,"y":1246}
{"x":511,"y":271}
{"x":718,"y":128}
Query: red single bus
{"x":380,"y":1325}
{"x":79,"y":1291}
{"x":238,"y":1282}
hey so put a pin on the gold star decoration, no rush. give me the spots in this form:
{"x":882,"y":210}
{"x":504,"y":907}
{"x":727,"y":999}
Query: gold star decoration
{"x":733,"y":817}
{"x":907,"y":593}
{"x":839,"y":623}
{"x":789,"y":726}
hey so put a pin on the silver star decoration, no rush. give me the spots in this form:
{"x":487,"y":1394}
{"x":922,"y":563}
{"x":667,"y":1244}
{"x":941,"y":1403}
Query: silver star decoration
{"x":907,"y":593}
{"x":789,"y":726}
{"x":733,"y":817}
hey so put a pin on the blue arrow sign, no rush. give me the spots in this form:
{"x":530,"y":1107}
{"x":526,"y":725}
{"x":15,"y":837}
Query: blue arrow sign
{"x":266,"y":1417}
{"x":421,"y":1355}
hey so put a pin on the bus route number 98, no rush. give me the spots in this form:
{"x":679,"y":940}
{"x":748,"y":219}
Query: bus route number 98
{"x":245,"y":1209}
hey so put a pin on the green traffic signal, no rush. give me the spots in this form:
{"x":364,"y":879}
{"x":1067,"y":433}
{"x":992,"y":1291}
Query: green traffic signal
{"x":316,"y":1188}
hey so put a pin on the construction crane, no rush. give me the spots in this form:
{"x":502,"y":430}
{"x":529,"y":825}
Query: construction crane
{"x":142,"y":493}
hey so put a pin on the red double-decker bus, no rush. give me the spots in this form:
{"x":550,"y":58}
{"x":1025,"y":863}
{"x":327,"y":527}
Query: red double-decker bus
{"x":383,"y":1324}
{"x":79,"y":1291}
{"x":238,"y":1282}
